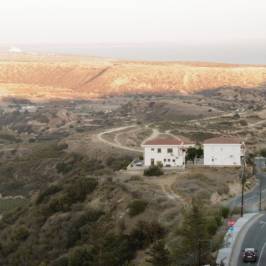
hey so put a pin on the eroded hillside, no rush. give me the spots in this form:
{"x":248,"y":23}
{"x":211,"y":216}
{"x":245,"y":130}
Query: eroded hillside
{"x":46,"y":78}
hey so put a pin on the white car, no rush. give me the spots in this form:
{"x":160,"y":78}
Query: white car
{"x":139,"y":163}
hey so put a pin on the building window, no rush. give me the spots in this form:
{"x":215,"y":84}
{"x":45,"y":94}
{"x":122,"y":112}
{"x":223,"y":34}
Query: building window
{"x":169,"y":150}
{"x":169,"y":160}
{"x":159,"y":150}
{"x":164,"y":160}
{"x":173,"y":160}
{"x":152,"y":149}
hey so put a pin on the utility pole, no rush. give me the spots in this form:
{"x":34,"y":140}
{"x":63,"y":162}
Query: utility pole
{"x":260,"y":165}
{"x":242,"y":176}
{"x":260,"y":192}
{"x":199,"y":258}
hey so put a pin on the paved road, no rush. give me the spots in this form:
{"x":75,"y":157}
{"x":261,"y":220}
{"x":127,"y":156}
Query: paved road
{"x":255,"y":238}
{"x":254,"y":235}
{"x":251,"y":198}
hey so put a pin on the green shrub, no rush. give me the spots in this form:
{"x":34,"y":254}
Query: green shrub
{"x":57,"y":204}
{"x":74,"y":231}
{"x":81,"y":256}
{"x":219,"y":220}
{"x":118,"y":163}
{"x":117,"y":250}
{"x":75,"y":191}
{"x":212,"y":226}
{"x":153,"y":171}
{"x":21,"y":233}
{"x":64,"y":167}
{"x":225,"y":212}
{"x":78,"y":190}
{"x":159,"y":254}
{"x":136,"y":207}
{"x":47,"y":192}
{"x":146,"y":233}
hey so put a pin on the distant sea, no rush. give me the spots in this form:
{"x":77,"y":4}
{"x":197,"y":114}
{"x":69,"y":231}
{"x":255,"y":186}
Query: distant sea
{"x":243,"y":53}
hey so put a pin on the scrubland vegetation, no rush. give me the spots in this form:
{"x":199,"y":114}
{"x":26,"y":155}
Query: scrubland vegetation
{"x":79,"y":206}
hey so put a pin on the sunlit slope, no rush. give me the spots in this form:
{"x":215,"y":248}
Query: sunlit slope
{"x":74,"y":78}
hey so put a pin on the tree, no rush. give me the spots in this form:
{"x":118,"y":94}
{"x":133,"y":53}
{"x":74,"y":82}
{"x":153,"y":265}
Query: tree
{"x":159,"y":255}
{"x":193,"y":153}
{"x":194,"y":234}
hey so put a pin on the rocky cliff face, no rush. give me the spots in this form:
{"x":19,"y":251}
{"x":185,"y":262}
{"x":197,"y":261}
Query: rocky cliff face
{"x":46,"y":78}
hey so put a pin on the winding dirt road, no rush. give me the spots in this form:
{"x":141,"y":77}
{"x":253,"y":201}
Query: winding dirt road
{"x":116,"y":143}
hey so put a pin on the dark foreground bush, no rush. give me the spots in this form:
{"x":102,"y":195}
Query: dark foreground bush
{"x":78,"y":190}
{"x":225,"y":212}
{"x":74,"y":192}
{"x":153,"y":171}
{"x":81,"y":256}
{"x":43,"y":195}
{"x":145,"y":233}
{"x":118,"y":163}
{"x":21,"y":233}
{"x":136,"y":207}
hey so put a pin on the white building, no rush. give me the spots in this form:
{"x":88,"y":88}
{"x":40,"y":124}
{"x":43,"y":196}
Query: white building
{"x":223,"y":151}
{"x":169,"y":151}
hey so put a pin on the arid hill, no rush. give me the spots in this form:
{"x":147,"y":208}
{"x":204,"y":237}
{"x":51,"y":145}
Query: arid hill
{"x":56,"y":77}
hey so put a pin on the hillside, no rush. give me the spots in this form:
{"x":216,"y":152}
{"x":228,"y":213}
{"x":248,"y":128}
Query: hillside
{"x":52,"y":77}
{"x":81,"y":218}
{"x":66,"y":199}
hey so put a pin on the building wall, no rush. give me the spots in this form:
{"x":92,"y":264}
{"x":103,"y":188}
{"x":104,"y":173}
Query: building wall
{"x":162,"y":155}
{"x":222,"y":154}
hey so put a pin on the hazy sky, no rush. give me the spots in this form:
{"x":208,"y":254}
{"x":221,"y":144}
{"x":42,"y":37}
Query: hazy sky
{"x":184,"y":22}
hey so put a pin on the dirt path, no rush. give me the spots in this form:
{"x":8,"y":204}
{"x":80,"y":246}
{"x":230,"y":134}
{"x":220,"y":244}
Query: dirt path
{"x":155,"y":133}
{"x":166,"y":184}
{"x":116,"y":143}
{"x":117,"y":136}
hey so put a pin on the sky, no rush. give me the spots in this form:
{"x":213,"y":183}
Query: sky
{"x":199,"y":25}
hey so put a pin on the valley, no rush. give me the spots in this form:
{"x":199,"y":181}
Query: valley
{"x":64,"y":159}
